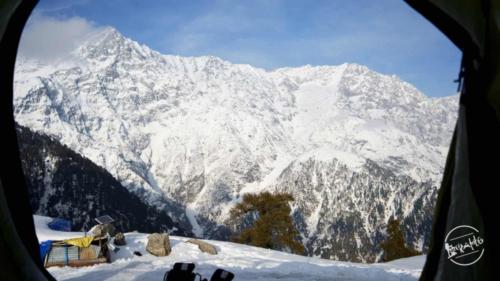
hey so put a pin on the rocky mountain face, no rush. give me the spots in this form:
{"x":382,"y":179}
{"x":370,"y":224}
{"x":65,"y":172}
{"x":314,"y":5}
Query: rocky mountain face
{"x":342,"y":213}
{"x":352,"y":145}
{"x":62,"y":183}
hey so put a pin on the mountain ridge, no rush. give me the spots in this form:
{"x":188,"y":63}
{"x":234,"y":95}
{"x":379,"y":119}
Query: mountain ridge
{"x":91,"y":192}
{"x":202,"y":131}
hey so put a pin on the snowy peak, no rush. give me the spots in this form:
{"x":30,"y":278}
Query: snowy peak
{"x":109,"y":46}
{"x":105,"y":42}
{"x":202,"y":131}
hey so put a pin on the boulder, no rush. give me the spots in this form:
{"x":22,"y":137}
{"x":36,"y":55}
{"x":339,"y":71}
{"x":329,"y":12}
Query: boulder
{"x":159,"y":244}
{"x":204,"y":246}
{"x":120,"y":239}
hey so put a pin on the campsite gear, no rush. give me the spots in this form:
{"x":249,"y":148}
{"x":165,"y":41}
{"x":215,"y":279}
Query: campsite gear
{"x":62,"y":255}
{"x":81,"y":242}
{"x":100,"y":230}
{"x":203,"y":246}
{"x":181,"y":272}
{"x":60,"y":225}
{"x":104,"y":219}
{"x":159,"y":244}
{"x":45,"y":248}
{"x":110,"y":243}
{"x":113,"y":247}
{"x":90,"y":252}
{"x":80,"y":251}
{"x":119,"y":239}
{"x":222,"y":275}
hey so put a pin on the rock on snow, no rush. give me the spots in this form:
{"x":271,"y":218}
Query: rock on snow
{"x":248,"y":263}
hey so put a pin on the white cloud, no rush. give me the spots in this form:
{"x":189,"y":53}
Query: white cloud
{"x":46,"y":38}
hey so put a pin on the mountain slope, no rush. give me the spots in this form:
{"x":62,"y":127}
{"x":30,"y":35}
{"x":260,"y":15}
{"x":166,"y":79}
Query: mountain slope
{"x":201,"y":131}
{"x":61,"y":183}
{"x":342,"y":213}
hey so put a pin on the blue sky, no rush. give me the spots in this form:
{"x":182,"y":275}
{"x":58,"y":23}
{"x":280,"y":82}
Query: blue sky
{"x":385,"y":35}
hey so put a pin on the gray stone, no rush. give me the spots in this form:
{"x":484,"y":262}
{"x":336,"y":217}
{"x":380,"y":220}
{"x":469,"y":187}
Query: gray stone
{"x":120,"y":239}
{"x":204,"y":246}
{"x":159,"y":244}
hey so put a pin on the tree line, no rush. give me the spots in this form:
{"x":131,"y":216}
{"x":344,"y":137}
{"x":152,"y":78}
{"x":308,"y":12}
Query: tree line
{"x":264,"y":220}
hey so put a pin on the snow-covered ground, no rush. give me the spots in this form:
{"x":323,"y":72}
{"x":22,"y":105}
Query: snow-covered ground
{"x":248,"y":263}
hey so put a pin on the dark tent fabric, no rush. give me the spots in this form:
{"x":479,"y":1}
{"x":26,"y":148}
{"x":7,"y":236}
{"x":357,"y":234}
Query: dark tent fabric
{"x":60,"y":224}
{"x":19,"y":249}
{"x":467,"y":199}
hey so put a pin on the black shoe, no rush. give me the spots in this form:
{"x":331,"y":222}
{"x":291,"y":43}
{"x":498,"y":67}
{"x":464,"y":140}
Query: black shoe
{"x":222,"y":275}
{"x":181,"y":272}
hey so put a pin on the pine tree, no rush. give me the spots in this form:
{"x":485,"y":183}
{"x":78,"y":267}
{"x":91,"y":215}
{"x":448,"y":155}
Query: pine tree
{"x":394,"y":247}
{"x":271,"y":224}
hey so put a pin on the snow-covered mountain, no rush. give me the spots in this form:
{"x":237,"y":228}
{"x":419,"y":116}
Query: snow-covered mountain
{"x":353,"y":146}
{"x":63,"y":184}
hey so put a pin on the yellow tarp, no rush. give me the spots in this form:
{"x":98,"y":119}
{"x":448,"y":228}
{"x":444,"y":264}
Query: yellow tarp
{"x":82,"y":242}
